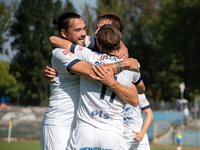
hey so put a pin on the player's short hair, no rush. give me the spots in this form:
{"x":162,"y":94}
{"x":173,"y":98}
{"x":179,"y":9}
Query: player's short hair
{"x":109,"y":37}
{"x":63,"y":22}
{"x":115,"y":20}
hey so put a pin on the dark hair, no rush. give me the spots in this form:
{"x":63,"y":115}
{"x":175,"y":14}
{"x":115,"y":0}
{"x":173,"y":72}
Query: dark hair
{"x":109,"y":37}
{"x":115,"y":20}
{"x":63,"y":21}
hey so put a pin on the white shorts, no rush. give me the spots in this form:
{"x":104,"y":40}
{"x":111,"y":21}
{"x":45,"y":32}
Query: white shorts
{"x":55,"y":137}
{"x":140,"y":147}
{"x":90,"y":138}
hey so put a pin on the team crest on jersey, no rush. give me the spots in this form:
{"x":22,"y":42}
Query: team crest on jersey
{"x":127,"y":113}
{"x":145,"y":100}
{"x":67,"y":53}
{"x":88,"y":37}
{"x":80,"y":48}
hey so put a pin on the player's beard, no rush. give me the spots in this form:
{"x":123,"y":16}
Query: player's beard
{"x":81,"y":41}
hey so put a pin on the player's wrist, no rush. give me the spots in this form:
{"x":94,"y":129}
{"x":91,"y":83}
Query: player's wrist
{"x":113,"y":84}
{"x":126,"y":64}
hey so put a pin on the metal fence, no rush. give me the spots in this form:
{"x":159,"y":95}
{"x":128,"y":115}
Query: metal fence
{"x":26,"y":121}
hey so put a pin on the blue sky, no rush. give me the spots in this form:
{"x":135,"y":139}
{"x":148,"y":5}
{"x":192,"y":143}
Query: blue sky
{"x":78,"y":4}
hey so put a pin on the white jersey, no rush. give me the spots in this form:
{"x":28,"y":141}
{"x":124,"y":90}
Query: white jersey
{"x":133,"y":120}
{"x":89,"y":42}
{"x":99,"y":106}
{"x":64,"y":98}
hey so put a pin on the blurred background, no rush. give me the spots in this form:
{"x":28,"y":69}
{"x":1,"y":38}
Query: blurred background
{"x":163,"y":35}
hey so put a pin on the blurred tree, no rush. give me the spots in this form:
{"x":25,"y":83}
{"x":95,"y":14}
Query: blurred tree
{"x":175,"y":33}
{"x":8,"y":83}
{"x":89,"y":18}
{"x":163,"y":35}
{"x":32,"y":28}
{"x":135,"y":14}
{"x":5,"y":22}
{"x":139,"y":45}
{"x":110,"y":6}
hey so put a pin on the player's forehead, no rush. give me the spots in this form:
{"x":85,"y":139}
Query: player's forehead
{"x":77,"y":23}
{"x":103,"y":22}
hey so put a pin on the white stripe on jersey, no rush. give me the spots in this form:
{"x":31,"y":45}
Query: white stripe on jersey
{"x":89,"y":42}
{"x":99,"y":106}
{"x":63,"y":101}
{"x":133,"y":120}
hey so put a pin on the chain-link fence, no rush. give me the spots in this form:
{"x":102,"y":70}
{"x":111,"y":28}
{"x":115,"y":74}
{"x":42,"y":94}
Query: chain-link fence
{"x":25,"y":122}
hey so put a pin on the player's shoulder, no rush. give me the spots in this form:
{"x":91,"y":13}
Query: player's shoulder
{"x":60,"y":53}
{"x":54,"y":51}
{"x":143,"y":102}
{"x":89,"y":42}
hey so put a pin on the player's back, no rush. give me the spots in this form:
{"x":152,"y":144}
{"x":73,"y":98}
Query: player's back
{"x":99,"y":106}
{"x":63,"y":101}
{"x":133,"y":120}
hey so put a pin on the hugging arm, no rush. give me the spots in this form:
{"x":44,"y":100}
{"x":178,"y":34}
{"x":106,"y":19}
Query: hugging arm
{"x":127,"y":94}
{"x":149,"y":117}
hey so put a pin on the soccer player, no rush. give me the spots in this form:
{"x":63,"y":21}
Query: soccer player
{"x":59,"y":119}
{"x":100,"y":110}
{"x":106,"y":18}
{"x":134,"y":128}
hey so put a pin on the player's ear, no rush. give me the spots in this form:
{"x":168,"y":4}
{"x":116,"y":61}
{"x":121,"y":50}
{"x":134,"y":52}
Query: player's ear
{"x":98,"y":44}
{"x":63,"y":33}
{"x":118,"y":47}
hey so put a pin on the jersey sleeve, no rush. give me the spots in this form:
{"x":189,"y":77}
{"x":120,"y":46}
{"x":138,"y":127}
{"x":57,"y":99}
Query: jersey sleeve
{"x":90,"y":42}
{"x":137,"y":78}
{"x":143,"y":102}
{"x":63,"y":59}
{"x":81,"y":52}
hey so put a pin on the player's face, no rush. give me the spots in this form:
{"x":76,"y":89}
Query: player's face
{"x":100,"y":24}
{"x":77,"y":32}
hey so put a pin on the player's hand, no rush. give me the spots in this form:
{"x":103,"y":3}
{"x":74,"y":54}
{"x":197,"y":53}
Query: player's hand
{"x":139,"y":136}
{"x":103,"y":74}
{"x":122,"y":52}
{"x":132,"y":64}
{"x":49,"y":73}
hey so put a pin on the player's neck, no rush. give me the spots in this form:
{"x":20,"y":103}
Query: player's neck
{"x":112,"y":52}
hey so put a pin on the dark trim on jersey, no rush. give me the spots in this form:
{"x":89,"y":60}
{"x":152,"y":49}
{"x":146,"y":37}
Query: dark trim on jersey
{"x":112,"y":97}
{"x":95,"y":48}
{"x":138,"y":81}
{"x":71,"y":64}
{"x":146,"y":107}
{"x":103,"y":91}
{"x":108,"y":54}
{"x":72,"y":48}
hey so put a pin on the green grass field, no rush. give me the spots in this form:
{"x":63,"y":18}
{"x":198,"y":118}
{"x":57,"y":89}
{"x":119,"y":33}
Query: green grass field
{"x":35,"y":145}
{"x":21,"y":145}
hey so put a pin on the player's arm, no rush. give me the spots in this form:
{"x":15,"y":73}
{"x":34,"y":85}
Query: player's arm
{"x":59,"y":42}
{"x":130,"y":64}
{"x":127,"y":94}
{"x":149,"y":117}
{"x":140,"y":87}
{"x":122,"y":52}
{"x":49,"y":73}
